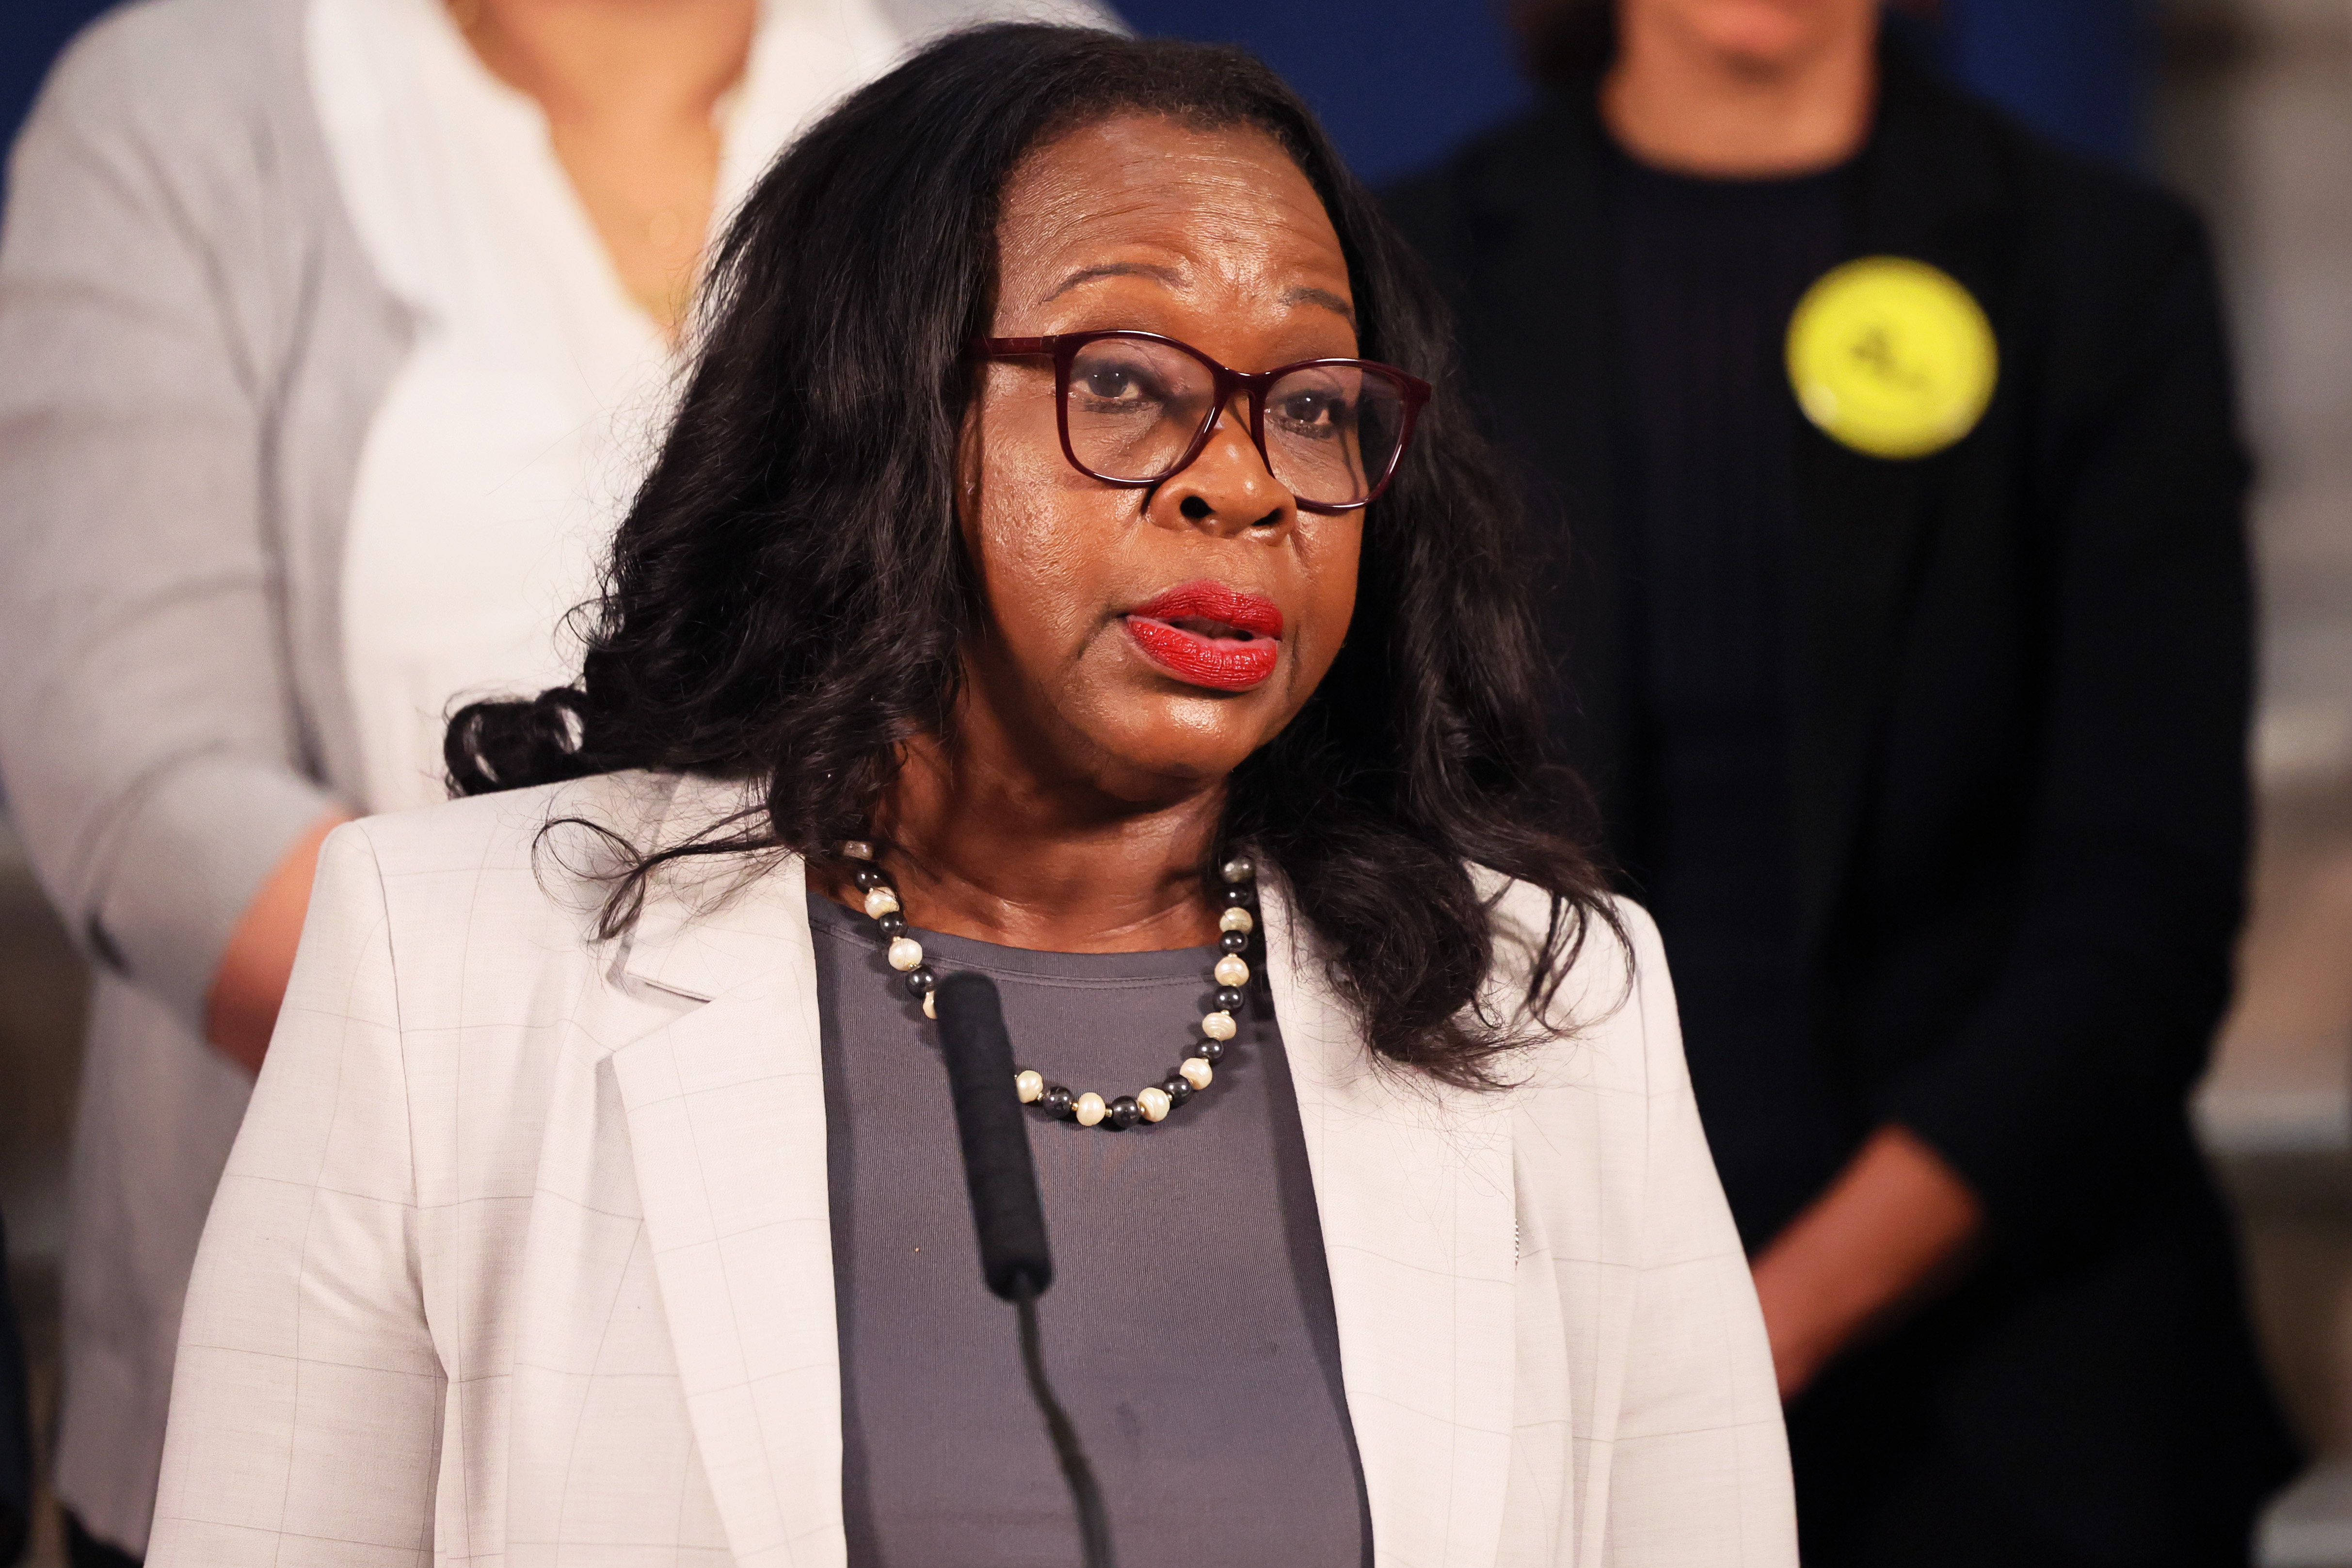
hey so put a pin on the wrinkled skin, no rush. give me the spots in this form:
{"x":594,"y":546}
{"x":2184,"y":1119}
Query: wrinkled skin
{"x":1071,"y":804}
{"x":1220,"y":242}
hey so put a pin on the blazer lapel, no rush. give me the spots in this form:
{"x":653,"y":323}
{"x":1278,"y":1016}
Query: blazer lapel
{"x":726,"y":1117}
{"x":1414,"y":1185}
{"x":1923,"y":189}
{"x":1541,"y":344}
{"x":725,"y":1107}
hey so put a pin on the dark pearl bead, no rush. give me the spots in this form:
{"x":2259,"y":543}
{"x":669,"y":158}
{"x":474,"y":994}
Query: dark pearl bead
{"x":1230,"y":998}
{"x":866,"y":877}
{"x":1234,"y":942}
{"x":1124,"y":1112}
{"x":1239,"y":898}
{"x":1179,"y":1090}
{"x":1058,"y":1100}
{"x":921,"y":981}
{"x":892,"y":925}
{"x":1210,"y":1051}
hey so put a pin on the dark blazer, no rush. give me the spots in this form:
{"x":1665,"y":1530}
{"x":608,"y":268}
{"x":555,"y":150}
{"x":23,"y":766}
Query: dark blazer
{"x":2018,"y":695}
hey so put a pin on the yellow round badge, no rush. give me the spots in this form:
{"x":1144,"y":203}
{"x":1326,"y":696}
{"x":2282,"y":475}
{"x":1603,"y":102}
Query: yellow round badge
{"x":1891,"y":357}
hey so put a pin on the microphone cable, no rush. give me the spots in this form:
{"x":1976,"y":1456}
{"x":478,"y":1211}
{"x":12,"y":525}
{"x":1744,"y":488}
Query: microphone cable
{"x":1009,"y":1217}
{"x":1086,"y":1498}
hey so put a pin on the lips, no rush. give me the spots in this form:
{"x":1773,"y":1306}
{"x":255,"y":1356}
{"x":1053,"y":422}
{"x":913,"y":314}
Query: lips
{"x":1206,"y":634}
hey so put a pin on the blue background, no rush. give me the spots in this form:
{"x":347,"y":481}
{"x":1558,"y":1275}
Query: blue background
{"x":1400,"y":81}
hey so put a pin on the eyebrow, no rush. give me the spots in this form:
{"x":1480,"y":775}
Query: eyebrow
{"x":1114,"y":269}
{"x":1304,"y":294}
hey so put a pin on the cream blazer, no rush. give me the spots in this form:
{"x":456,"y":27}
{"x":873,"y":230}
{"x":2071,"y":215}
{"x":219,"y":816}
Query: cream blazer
{"x":522,"y":1254}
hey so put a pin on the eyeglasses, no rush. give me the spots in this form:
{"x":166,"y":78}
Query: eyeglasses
{"x":1136,"y":408}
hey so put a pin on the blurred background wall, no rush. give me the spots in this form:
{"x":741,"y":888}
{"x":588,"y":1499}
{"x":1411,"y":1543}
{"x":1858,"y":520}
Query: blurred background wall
{"x":2246,"y":107}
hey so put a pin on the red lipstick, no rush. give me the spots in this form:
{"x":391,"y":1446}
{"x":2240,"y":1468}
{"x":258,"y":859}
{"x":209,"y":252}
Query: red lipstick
{"x":1209,"y":635}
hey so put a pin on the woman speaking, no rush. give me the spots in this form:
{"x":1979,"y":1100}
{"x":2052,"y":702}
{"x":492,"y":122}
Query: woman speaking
{"x":1058,"y":570}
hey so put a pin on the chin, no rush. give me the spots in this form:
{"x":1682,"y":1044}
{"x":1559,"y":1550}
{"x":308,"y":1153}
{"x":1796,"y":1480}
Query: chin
{"x":1189,"y":739}
{"x":1764,"y":34}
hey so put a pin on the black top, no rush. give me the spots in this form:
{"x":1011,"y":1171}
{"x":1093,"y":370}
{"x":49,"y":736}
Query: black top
{"x":2013,"y":719}
{"x":1189,"y":1331}
{"x":1706,"y":273}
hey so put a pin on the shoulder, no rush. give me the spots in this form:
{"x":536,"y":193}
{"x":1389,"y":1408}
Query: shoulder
{"x":166,"y":70}
{"x":537,"y":861}
{"x":507,"y":830}
{"x":2066,"y":205}
{"x":191,"y":118}
{"x":1513,"y":170}
{"x":2104,"y":281}
{"x":1611,"y":1020}
{"x":1614,"y":937}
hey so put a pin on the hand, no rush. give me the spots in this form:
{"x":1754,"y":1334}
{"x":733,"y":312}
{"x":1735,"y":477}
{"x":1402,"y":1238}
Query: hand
{"x":1896,"y":1224}
{"x":242,"y":1008}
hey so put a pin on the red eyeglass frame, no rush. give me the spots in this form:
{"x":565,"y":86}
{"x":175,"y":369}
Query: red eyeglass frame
{"x":1062,"y":347}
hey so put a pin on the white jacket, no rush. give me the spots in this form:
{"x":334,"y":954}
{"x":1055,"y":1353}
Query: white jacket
{"x":522,"y":1254}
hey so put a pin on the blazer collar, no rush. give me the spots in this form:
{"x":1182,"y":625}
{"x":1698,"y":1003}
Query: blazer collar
{"x":726,"y":1117}
{"x":1413,"y":1188}
{"x":1930,"y":185}
{"x":711,"y":924}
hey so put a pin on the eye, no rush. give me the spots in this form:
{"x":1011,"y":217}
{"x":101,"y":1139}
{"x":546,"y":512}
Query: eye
{"x":1315,"y":413}
{"x":1118,"y":382}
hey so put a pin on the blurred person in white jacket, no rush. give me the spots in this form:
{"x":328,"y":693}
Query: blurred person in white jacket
{"x":335,"y":331}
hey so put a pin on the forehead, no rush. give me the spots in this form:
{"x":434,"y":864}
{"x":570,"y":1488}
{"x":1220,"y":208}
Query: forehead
{"x":1149,"y":195}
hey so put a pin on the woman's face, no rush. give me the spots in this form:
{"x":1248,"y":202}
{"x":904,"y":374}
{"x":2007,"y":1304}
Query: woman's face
{"x":1127,"y":629}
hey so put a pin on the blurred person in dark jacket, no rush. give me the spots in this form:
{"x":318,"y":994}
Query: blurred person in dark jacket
{"x":1903,"y":618}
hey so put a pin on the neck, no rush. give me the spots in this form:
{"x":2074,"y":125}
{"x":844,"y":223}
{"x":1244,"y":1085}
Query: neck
{"x":982,"y":844}
{"x":630,"y":89}
{"x":1676,"y":101}
{"x":659,"y":61}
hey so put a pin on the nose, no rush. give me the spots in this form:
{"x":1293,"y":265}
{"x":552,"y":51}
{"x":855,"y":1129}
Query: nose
{"x":1227,"y":488}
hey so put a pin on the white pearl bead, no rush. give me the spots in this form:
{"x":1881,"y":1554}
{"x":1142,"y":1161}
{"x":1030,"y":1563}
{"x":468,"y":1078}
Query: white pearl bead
{"x":857,"y":849}
{"x":1237,"y":918}
{"x":1218,"y":1025}
{"x":930,"y":1006}
{"x":1154,"y":1103}
{"x":1197,"y":1072}
{"x":1030,"y":1084}
{"x":1231,"y":970}
{"x":879,"y":902}
{"x":1239,"y":869}
{"x":1090,"y":1109}
{"x":906,"y":952}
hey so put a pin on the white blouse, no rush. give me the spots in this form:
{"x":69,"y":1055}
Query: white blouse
{"x":510,"y":443}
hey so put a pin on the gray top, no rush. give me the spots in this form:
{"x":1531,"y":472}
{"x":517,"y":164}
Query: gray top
{"x":1198,"y":1361}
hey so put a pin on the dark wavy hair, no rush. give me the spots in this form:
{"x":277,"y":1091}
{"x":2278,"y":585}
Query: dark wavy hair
{"x":786,"y":600}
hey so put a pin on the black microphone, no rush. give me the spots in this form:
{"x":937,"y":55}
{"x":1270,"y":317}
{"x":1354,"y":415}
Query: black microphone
{"x":1006,"y":1212}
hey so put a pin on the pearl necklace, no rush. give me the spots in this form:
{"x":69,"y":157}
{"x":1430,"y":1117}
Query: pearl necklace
{"x":1151,"y":1103}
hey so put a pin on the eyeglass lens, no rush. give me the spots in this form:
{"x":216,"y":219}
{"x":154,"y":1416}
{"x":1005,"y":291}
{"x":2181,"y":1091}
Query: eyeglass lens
{"x":1134,"y":407}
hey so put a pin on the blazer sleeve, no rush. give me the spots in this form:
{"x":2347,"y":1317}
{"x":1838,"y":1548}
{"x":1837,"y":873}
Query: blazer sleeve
{"x":147,"y":736}
{"x":1699,"y":1470}
{"x":2054,"y":1092}
{"x":307,"y":1398}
